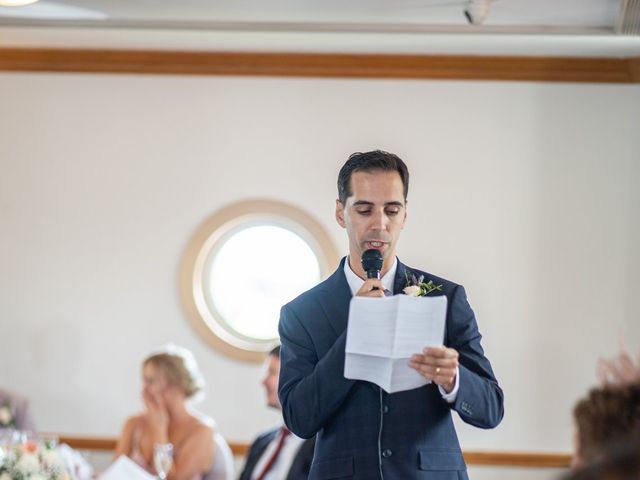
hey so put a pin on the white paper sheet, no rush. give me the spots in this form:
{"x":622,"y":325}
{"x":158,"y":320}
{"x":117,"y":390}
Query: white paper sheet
{"x":125,"y":469}
{"x":383,"y":333}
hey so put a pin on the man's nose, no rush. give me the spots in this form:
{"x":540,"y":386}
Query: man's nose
{"x":380,"y":220}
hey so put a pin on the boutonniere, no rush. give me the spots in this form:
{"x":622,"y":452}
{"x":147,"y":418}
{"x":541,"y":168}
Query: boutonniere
{"x":417,"y":287}
{"x":6,"y":417}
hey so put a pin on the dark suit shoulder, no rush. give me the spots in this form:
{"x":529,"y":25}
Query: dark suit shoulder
{"x":255,"y":452}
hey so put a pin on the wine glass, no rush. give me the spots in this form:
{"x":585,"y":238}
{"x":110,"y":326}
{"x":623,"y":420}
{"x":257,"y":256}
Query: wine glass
{"x":163,"y":459}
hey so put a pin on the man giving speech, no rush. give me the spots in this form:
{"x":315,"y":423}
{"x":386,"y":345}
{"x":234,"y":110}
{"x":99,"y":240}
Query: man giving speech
{"x":363,"y":432}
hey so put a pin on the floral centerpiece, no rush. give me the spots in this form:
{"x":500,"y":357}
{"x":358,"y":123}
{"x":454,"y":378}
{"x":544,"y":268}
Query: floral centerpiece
{"x":32,"y":461}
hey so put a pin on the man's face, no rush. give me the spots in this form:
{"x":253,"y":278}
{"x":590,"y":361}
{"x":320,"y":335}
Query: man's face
{"x":270,"y":381}
{"x":374,"y":215}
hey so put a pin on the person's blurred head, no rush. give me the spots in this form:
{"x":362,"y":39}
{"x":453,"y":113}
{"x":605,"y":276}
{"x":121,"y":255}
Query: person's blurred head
{"x":172,"y":370}
{"x":620,"y":461}
{"x":605,"y":416}
{"x":271,"y":375}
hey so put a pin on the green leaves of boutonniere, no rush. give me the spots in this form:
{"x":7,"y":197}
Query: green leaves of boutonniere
{"x":417,"y":287}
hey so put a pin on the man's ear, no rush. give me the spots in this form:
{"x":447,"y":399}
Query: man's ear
{"x":340,"y":213}
{"x":406,"y":210}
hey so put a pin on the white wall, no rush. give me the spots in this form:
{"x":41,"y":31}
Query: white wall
{"x":523,"y":192}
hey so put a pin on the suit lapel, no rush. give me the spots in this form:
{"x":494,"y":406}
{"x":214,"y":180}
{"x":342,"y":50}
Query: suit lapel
{"x":257,"y":453}
{"x":400,"y":280}
{"x":335,"y":298}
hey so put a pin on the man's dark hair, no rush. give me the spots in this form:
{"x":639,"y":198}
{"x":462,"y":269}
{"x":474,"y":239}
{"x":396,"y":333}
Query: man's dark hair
{"x":367,"y":162}
{"x":275,"y":351}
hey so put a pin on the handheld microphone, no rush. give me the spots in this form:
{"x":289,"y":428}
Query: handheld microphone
{"x":372,"y":263}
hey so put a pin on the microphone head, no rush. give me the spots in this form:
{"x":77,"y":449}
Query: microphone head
{"x":372,"y":262}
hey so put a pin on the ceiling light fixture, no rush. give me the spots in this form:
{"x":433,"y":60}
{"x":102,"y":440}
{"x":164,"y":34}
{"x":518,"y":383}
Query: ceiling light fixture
{"x":16,"y":3}
{"x":477,"y":11}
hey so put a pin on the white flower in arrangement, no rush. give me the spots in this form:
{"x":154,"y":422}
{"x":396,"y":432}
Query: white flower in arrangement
{"x":5,"y":476}
{"x":37,"y":476}
{"x":28,"y":463}
{"x":5,"y":415}
{"x":52,"y":459}
{"x":412,"y":290}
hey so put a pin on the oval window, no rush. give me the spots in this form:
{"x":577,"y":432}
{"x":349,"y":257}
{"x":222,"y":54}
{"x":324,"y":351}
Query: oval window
{"x":252,"y":258}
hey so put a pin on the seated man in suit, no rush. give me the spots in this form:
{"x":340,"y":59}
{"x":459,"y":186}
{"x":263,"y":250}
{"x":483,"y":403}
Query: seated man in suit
{"x":277,"y":454}
{"x":14,"y":412}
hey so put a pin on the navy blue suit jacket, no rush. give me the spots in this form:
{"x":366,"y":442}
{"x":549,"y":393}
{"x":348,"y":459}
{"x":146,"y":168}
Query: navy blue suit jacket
{"x":361,"y":431}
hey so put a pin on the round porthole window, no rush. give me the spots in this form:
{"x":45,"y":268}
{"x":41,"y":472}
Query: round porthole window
{"x":244,"y":263}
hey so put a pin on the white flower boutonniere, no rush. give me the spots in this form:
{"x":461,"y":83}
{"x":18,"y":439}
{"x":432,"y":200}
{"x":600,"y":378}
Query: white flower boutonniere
{"x":417,"y":287}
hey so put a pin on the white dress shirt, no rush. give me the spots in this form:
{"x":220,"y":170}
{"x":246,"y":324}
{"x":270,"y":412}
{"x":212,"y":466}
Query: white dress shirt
{"x":355,"y":283}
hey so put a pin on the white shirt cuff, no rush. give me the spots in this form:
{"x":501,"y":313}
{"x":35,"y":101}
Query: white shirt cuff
{"x":451,"y":397}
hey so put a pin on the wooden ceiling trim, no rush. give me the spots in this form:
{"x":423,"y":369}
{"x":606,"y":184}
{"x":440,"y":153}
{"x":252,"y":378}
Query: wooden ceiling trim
{"x":441,"y":67}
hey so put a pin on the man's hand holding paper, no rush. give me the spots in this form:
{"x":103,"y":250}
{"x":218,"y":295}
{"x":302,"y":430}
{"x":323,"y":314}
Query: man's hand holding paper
{"x":439,"y":364}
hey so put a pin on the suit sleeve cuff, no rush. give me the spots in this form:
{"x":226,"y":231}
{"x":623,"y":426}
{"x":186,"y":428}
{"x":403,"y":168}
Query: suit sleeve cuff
{"x":451,"y":396}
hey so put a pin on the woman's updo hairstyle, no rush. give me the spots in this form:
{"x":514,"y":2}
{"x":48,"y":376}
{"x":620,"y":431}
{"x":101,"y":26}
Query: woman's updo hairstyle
{"x":180,"y":367}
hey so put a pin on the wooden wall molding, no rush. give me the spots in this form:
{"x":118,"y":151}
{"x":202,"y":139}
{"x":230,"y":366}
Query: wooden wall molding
{"x":437,"y":67}
{"x":107,"y":444}
{"x":499,"y":459}
{"x":634,"y":69}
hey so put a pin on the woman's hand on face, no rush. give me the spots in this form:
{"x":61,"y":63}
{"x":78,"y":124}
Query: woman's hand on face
{"x":157,"y":416}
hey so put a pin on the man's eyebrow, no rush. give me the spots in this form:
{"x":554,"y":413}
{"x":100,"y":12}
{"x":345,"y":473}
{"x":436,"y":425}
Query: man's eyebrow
{"x":394,"y":203}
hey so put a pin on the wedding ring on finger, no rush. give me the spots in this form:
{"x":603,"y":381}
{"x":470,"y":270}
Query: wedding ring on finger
{"x":437,"y":370}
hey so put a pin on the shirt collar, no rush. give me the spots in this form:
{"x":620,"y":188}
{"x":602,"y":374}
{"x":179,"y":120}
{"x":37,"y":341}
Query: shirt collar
{"x":355,"y":282}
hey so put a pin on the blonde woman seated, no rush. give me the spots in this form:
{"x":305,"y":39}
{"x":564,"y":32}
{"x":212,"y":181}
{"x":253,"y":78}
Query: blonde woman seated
{"x":170,"y":378}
